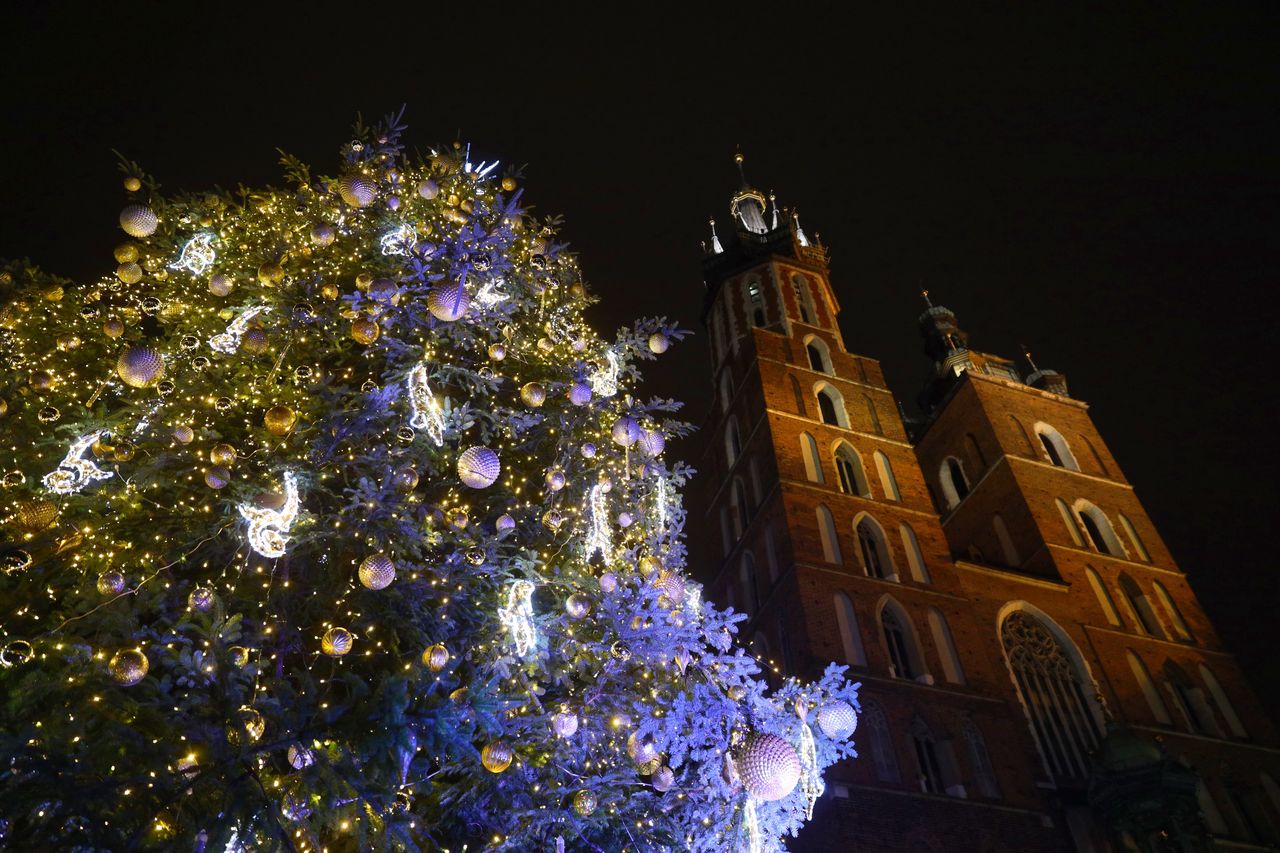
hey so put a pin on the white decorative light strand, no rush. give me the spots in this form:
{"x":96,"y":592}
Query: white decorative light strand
{"x":229,"y":341}
{"x":490,"y":295}
{"x":74,"y":472}
{"x":269,"y":528}
{"x":197,"y":255}
{"x":753,"y":827}
{"x":517,"y":617}
{"x":427,"y":413}
{"x":146,"y":419}
{"x":662,"y":503}
{"x":600,"y":533}
{"x":604,"y":382}
{"x":398,"y":241}
{"x":811,"y":784}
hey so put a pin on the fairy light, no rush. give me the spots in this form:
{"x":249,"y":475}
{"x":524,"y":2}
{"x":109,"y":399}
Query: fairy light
{"x":604,"y":382}
{"x":229,"y":341}
{"x":600,"y":530}
{"x":427,"y":413}
{"x":197,"y":255}
{"x":752,"y":824}
{"x":811,"y":784}
{"x":269,"y":528}
{"x":491,"y":294}
{"x":517,"y":617}
{"x":74,"y":472}
{"x":398,"y":241}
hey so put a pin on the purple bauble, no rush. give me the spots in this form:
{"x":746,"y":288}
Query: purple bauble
{"x":479,"y":467}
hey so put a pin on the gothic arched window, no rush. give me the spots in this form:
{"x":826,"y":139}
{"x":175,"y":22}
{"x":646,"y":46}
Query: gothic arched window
{"x":983,"y":772}
{"x":755,"y":303}
{"x":804,"y":299}
{"x":827,"y":533}
{"x":1148,"y":688}
{"x":900,"y":641}
{"x":872,"y":415}
{"x":926,"y":749}
{"x":850,"y":639}
{"x":1171,"y":610}
{"x":732,"y":442}
{"x":809,"y":452}
{"x":1069,"y":519}
{"x":1104,"y":597}
{"x":1101,"y":534}
{"x":880,"y":741}
{"x":853,"y":480}
{"x":955,"y":487}
{"x":888,"y":482}
{"x":831,"y":406}
{"x":1138,"y":545}
{"x":750,"y":584}
{"x":795,"y":389}
{"x":1056,"y":448}
{"x":915,"y":560}
{"x":951,"y":669}
{"x":819,"y":354}
{"x":1141,"y":607}
{"x":874,"y":549}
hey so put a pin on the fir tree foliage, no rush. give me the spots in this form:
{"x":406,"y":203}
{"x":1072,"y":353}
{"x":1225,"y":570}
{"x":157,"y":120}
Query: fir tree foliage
{"x":329,"y":522}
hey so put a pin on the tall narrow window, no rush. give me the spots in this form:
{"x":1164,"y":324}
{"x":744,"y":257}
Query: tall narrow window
{"x":1171,"y":610}
{"x":1104,"y":598}
{"x":1101,"y":534}
{"x":926,"y":751}
{"x":755,"y":303}
{"x":975,"y":451}
{"x":1097,"y":457}
{"x":795,"y":389}
{"x":1212,"y":814}
{"x":804,"y":300}
{"x":827,"y":533}
{"x":726,"y":532}
{"x":1148,"y":688}
{"x":818,"y":353}
{"x":1069,"y":519}
{"x":771,"y":554}
{"x":749,"y":583}
{"x":732,"y":443}
{"x":983,"y":772}
{"x":812,"y":464}
{"x":951,"y":669}
{"x":850,"y":638}
{"x":1225,"y":707}
{"x":1026,"y":439}
{"x":741,"y":509}
{"x":872,"y":416}
{"x":1054,"y":692}
{"x":1007,"y":550}
{"x":900,"y":641}
{"x":874,"y":550}
{"x":955,"y":487}
{"x":1143,"y":612}
{"x":726,"y":389}
{"x":1139,"y":547}
{"x":915,"y":560}
{"x":853,"y":481}
{"x":880,"y":741}
{"x":815,"y":358}
{"x":757,"y":488}
{"x":1190,"y":701}
{"x":1056,"y":448}
{"x":831,"y":406}
{"x":888,"y":483}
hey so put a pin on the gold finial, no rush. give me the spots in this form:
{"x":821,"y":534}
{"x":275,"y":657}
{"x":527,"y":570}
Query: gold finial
{"x":925,"y":293}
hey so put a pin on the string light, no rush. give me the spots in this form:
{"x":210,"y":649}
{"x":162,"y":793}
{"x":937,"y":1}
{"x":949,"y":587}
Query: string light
{"x":604,"y":382}
{"x":197,"y":255}
{"x":229,"y":341}
{"x":427,"y":413}
{"x":600,"y":528}
{"x":74,"y":472}
{"x":517,"y":617}
{"x":269,"y":528}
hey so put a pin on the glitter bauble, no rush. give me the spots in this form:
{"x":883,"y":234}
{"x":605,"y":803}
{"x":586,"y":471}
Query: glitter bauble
{"x":222,"y":454}
{"x":357,"y":190}
{"x":220,"y":285}
{"x":737,"y":693}
{"x":428,"y":189}
{"x":497,"y":352}
{"x":217,"y":477}
{"x":138,"y":220}
{"x":300,"y":757}
{"x":533,"y":394}
{"x":457,"y":517}
{"x":625,"y":519}
{"x":837,"y":719}
{"x":496,"y":756}
{"x":650,"y":767}
{"x":40,"y":380}
{"x":336,"y":642}
{"x":769,"y":767}
{"x":663,"y":779}
{"x":619,"y":651}
{"x":555,"y":479}
{"x":139,"y":366}
{"x":377,"y":571}
{"x":279,"y":420}
{"x":323,"y":234}
{"x":294,"y":808}
{"x":249,"y":724}
{"x":201,"y":599}
{"x":270,"y":273}
{"x":608,"y":582}
{"x":641,"y":749}
{"x":132,"y":184}
{"x":505,"y":522}
{"x":649,"y":565}
{"x":35,"y":515}
{"x":652,"y":441}
{"x":184,"y":434}
{"x":254,"y":342}
{"x":128,"y":667}
{"x":584,"y":802}
{"x":125,"y":253}
{"x":4,"y":407}
{"x":552,"y":519}
{"x":579,"y":393}
{"x":449,"y":301}
{"x":478,"y":467}
{"x":658,"y":343}
{"x":626,"y":431}
{"x":110,"y":583}
{"x":129,"y":273}
{"x":578,"y":605}
{"x":588,"y":450}
{"x":564,"y":723}
{"x":405,"y":479}
{"x":16,"y":653}
{"x":672,"y":587}
{"x":364,"y":330}
{"x":436,"y":657}
{"x":509,"y":184}
{"x":476,"y":556}
{"x":67,"y":343}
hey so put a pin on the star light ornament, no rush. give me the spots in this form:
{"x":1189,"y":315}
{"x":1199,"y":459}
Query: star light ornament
{"x":269,"y":528}
{"x":517,"y":617}
{"x":604,"y":382}
{"x":197,"y":255}
{"x":229,"y":341}
{"x":427,"y":412}
{"x":74,"y":472}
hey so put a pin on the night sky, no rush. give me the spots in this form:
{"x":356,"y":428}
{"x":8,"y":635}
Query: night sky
{"x":1102,"y":187}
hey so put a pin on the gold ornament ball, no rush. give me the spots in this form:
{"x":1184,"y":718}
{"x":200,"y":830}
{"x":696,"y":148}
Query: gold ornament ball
{"x":364,"y":330}
{"x":102,"y":446}
{"x":336,"y":642}
{"x":126,"y":253}
{"x":496,"y":756}
{"x":138,"y":220}
{"x":249,"y":724}
{"x":405,"y":479}
{"x":36,"y":515}
{"x":113,"y":328}
{"x":132,"y":184}
{"x":497,"y":352}
{"x":222,"y":454}
{"x":124,"y":451}
{"x":377,"y":571}
{"x":650,"y":565}
{"x":110,"y":583}
{"x":533,"y":394}
{"x":129,"y":273}
{"x":280,"y":420}
{"x":40,"y":380}
{"x":509,"y":184}
{"x":184,"y":434}
{"x":221,"y":285}
{"x":363,"y":281}
{"x":648,"y":768}
{"x":53,"y":293}
{"x":329,"y":291}
{"x":584,"y":803}
{"x":270,"y":273}
{"x":436,"y":657}
{"x":578,"y":605}
{"x":254,"y":342}
{"x":128,"y":667}
{"x":217,"y":477}
{"x":658,"y":343}
{"x":323,"y":234}
{"x":239,"y":655}
{"x":67,"y":343}
{"x":201,"y":599}
{"x":4,"y":407}
{"x":357,"y":190}
{"x":140,"y":366}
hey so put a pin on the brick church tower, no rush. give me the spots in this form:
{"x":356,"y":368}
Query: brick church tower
{"x":1036,"y":671}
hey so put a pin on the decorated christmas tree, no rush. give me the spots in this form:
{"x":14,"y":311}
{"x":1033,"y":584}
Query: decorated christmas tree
{"x":329,"y":523}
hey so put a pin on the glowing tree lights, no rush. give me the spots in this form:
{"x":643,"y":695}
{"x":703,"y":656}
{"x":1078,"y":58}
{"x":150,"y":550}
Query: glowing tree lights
{"x":330,"y":523}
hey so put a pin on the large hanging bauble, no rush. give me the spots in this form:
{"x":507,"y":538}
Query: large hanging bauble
{"x":649,"y":565}
{"x":837,"y":719}
{"x":584,"y":802}
{"x":217,"y":477}
{"x":357,"y":190}
{"x":608,"y":582}
{"x":641,"y":749}
{"x":478,"y":467}
{"x":270,"y":273}
{"x":129,"y":273}
{"x":578,"y":605}
{"x":663,"y":779}
{"x":769,"y":766}
{"x":128,"y":667}
{"x":279,"y":420}
{"x":405,"y":479}
{"x":35,"y":515}
{"x":239,"y":655}
{"x":336,"y":642}
{"x":377,"y":571}
{"x":504,"y":523}
{"x":564,"y":723}
{"x":222,"y":454}
{"x":138,"y":220}
{"x":364,"y":330}
{"x":221,"y":285}
{"x":626,"y":431}
{"x":254,"y":342}
{"x":579,"y":393}
{"x":184,"y":434}
{"x":201,"y":599}
{"x":554,"y":479}
{"x":300,"y":757}
{"x":428,"y":189}
{"x":496,"y":756}
{"x":533,"y":395}
{"x":125,"y":253}
{"x":672,"y":586}
{"x":110,"y":583}
{"x":248,"y":724}
{"x":497,"y":352}
{"x":653,"y":441}
{"x":140,"y":367}
{"x":322,"y":234}
{"x":436,"y":657}
{"x":449,"y":301}
{"x":658,"y":343}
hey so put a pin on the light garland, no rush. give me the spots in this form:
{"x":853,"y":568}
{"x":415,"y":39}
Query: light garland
{"x":599,"y":530}
{"x":229,"y":341}
{"x":604,"y":382}
{"x":427,"y":412}
{"x":75,"y":472}
{"x":269,"y":528}
{"x":517,"y":617}
{"x":811,"y":784}
{"x":398,"y":241}
{"x":197,"y":255}
{"x":490,"y":295}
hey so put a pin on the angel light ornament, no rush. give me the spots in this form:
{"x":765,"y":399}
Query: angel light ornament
{"x":517,"y":617}
{"x":74,"y":472}
{"x":229,"y":341}
{"x":197,"y":255}
{"x":269,"y":528}
{"x":604,"y":382}
{"x":427,"y":412}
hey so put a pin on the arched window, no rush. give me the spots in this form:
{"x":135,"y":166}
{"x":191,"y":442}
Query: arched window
{"x":1009,"y":552}
{"x":1225,"y":708}
{"x":983,"y":772}
{"x":1212,"y":814}
{"x":1056,"y":448}
{"x":1171,"y":610}
{"x":850,"y":638}
{"x":951,"y":669}
{"x":1101,"y":534}
{"x":1054,"y":691}
{"x":1190,"y":701}
{"x":1097,"y":457}
{"x":819,"y":354}
{"x":771,"y":554}
{"x":874,"y":550}
{"x":726,"y":531}
{"x":888,"y":482}
{"x":827,"y":533}
{"x":880,"y":741}
{"x":1138,"y":547}
{"x":926,"y":751}
{"x":1026,"y":439}
{"x":1148,"y":688}
{"x":757,"y":489}
{"x":1069,"y":519}
{"x":755,"y":302}
{"x":809,"y":452}
{"x":872,"y":416}
{"x":901,"y":644}
{"x":748,"y":581}
{"x":1143,"y":613}
{"x":726,"y":389}
{"x":976,"y":452}
{"x":853,"y":481}
{"x":915,"y":560}
{"x":732,"y":442}
{"x":718,"y":336}
{"x":795,"y":389}
{"x":831,"y":405}
{"x":804,"y":299}
{"x":740,"y":509}
{"x":1104,"y":598}
{"x":955,"y":486}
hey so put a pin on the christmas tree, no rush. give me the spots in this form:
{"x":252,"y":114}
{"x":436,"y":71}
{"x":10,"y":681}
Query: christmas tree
{"x":329,"y":523}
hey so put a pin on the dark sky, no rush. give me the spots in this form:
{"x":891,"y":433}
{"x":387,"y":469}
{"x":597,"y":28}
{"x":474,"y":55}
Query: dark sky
{"x":1102,"y":186}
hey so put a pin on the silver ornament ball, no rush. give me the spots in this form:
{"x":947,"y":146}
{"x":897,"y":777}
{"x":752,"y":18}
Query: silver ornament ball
{"x":479,"y":467}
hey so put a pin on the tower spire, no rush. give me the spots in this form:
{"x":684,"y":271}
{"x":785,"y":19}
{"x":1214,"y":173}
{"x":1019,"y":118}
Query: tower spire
{"x":747,"y":205}
{"x":1026,"y":352}
{"x":742,"y":174}
{"x":715,"y":240}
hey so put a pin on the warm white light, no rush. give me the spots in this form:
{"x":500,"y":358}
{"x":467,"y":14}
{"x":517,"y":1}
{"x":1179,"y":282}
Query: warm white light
{"x":197,"y":255}
{"x":73,"y":472}
{"x":229,"y":341}
{"x":604,"y":382}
